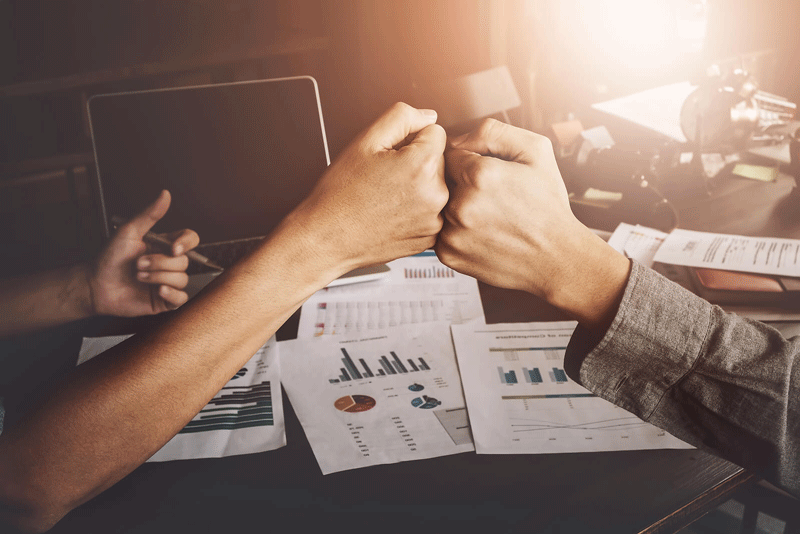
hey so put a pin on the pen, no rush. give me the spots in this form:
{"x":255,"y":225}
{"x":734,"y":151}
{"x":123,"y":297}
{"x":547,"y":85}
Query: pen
{"x":155,"y":238}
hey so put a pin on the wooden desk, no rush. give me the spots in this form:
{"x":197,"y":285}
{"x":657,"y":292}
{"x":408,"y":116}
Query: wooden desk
{"x":615,"y":492}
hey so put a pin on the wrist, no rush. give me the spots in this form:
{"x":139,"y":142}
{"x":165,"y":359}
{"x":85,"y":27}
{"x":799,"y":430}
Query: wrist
{"x":78,"y":295}
{"x":312,"y":247}
{"x":326,"y":240}
{"x":589,"y":281}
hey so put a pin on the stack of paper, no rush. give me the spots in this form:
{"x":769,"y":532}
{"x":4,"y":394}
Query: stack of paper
{"x":672,"y":254}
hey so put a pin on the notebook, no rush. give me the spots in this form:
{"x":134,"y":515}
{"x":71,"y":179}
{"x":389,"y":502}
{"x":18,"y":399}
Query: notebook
{"x":236,"y":157}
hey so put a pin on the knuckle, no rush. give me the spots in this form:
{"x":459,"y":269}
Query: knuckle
{"x":439,"y":132}
{"x":487,"y":125}
{"x":445,"y":251}
{"x":541,"y":142}
{"x":492,"y":128}
{"x":480,"y":170}
{"x":430,"y":162}
{"x":401,"y":108}
{"x":435,"y":225}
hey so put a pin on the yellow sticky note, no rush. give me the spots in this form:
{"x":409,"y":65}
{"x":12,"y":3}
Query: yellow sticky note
{"x":756,"y":172}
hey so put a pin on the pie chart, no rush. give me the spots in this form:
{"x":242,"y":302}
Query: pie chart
{"x":354,"y":403}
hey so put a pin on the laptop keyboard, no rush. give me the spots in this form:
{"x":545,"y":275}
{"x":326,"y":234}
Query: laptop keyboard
{"x":223,"y":254}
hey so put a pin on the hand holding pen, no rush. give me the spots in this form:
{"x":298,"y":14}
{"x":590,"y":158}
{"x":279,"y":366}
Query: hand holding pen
{"x":129,"y":280}
{"x":173,"y":244}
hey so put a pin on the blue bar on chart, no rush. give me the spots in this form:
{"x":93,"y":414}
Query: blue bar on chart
{"x":344,"y":377}
{"x":423,"y":365}
{"x":532,"y":376}
{"x":412,"y":364}
{"x":507,"y":378}
{"x":558,"y":375}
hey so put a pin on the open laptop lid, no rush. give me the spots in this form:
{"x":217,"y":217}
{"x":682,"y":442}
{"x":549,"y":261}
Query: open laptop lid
{"x":237,"y":157}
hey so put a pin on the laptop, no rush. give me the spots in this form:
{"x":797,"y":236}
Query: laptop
{"x":236,"y":157}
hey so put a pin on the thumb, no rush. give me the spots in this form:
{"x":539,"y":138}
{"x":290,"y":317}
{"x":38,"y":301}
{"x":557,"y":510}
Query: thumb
{"x":495,"y":138}
{"x":397,"y":123}
{"x":429,"y":143}
{"x":147,"y":218}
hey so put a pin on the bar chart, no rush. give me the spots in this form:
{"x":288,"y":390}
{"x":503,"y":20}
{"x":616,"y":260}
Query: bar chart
{"x":235,"y":407}
{"x":531,"y":376}
{"x":343,"y":317}
{"x":429,"y":272}
{"x":383,"y":366}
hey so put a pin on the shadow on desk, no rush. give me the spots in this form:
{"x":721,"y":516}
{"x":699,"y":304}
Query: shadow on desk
{"x":613,"y":492}
{"x":512,"y":306}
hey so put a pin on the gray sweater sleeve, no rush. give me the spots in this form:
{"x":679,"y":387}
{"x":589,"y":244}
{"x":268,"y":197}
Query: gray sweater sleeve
{"x":726,"y":384}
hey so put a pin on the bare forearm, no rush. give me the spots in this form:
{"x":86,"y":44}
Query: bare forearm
{"x":45,"y":299}
{"x":374,"y":204}
{"x":588,"y":279}
{"x":122,"y":407}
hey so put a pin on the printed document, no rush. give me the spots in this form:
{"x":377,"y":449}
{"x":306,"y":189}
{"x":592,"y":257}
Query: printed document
{"x":419,"y":289}
{"x":764,"y":255}
{"x":639,"y":243}
{"x":521,"y":401}
{"x":245,"y":417}
{"x":377,"y":398}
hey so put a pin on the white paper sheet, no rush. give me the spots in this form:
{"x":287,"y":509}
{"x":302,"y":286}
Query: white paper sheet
{"x":245,"y":417}
{"x":419,"y":289}
{"x":521,"y":401}
{"x":637,"y":242}
{"x":377,"y":399}
{"x":657,"y":109}
{"x":765,"y":255}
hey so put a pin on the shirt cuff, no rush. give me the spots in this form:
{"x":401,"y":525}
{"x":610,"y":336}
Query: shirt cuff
{"x":653,"y":342}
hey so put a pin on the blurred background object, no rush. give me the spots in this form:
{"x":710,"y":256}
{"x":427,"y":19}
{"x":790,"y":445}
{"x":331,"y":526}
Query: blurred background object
{"x":534,"y":63}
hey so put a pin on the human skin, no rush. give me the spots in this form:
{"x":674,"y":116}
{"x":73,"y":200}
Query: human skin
{"x":126,"y":279}
{"x":380,"y":200}
{"x":508,"y":223}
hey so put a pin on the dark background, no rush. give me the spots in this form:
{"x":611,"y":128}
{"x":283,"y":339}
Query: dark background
{"x":365,"y":54}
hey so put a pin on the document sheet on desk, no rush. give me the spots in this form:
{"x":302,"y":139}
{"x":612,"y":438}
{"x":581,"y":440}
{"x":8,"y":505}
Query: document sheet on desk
{"x":418,"y":289}
{"x":520,"y":400}
{"x":765,"y":255}
{"x":639,"y":243}
{"x":642,"y":244}
{"x":245,"y":417}
{"x":378,"y":398}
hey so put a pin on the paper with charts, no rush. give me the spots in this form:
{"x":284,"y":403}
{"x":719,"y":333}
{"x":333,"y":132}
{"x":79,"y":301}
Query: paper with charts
{"x":520,"y":400}
{"x":245,"y":417}
{"x":368,"y":400}
{"x":418,"y":289}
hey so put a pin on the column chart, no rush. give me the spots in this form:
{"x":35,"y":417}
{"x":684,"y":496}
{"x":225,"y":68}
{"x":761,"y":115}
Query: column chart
{"x":382,"y":365}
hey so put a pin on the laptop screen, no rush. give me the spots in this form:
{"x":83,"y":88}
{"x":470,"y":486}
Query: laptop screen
{"x":236,"y":157}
